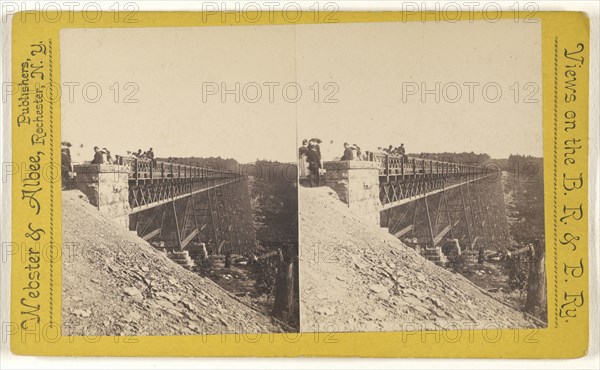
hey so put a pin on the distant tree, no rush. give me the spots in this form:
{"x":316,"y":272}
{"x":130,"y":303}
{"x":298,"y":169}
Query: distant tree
{"x":525,"y":187}
{"x":517,"y":267}
{"x":275,"y":195}
{"x":265,"y":275}
{"x":464,"y":157}
{"x":216,"y":163}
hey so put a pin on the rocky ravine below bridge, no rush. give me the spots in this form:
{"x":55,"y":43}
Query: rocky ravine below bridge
{"x":114,"y":283}
{"x":355,"y":276}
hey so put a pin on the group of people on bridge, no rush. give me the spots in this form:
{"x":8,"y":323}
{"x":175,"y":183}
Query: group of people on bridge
{"x":352,"y":153}
{"x":101,"y":156}
{"x":399,"y":150}
{"x":149,"y":154}
{"x":311,"y":161}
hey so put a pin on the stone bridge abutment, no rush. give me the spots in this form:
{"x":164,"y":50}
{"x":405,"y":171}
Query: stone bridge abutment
{"x":107,"y":188}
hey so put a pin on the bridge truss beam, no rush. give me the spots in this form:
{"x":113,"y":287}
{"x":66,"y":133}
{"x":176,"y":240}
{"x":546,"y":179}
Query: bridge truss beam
{"x":218,"y":216}
{"x":472,"y":211}
{"x":397,"y":192}
{"x":145,"y":195}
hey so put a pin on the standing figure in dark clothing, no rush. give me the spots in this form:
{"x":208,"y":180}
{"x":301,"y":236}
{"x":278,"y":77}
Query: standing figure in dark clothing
{"x":315,"y":142}
{"x":98,"y":156}
{"x":314,"y":164}
{"x":66,"y":165}
{"x":348,"y":153}
{"x":402,"y":152}
{"x":150,"y":156}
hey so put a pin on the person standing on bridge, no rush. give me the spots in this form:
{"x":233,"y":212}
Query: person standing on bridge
{"x":348,"y":153}
{"x":402,"y":151}
{"x":302,"y":162}
{"x":66,"y":165}
{"x":315,"y":142}
{"x":314,"y":164}
{"x":98,"y":156}
{"x":150,"y":156}
{"x":303,"y":149}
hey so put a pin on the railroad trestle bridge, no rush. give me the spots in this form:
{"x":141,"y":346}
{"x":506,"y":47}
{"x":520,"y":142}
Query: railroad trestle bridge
{"x":425,"y":202}
{"x":173,"y":205}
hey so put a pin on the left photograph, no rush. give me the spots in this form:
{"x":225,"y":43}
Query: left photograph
{"x":180,"y":198}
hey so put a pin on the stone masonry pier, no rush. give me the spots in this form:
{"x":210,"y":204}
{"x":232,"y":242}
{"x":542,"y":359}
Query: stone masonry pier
{"x":107,"y":187}
{"x":357,"y":184}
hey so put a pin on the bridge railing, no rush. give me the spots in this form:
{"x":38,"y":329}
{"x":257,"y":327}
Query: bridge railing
{"x":148,"y":169}
{"x":394,"y":165}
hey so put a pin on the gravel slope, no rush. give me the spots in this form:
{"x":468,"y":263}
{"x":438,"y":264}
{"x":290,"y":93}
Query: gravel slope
{"x":355,"y":276}
{"x":114,"y":283}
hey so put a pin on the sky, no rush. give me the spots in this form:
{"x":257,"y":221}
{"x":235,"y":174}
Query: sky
{"x":171,"y":66}
{"x":377,"y":66}
{"x":359,"y":83}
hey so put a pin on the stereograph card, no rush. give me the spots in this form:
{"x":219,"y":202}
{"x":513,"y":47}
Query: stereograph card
{"x":340,"y":184}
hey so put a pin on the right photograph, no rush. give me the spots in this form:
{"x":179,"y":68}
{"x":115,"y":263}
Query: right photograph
{"x":421,"y":197}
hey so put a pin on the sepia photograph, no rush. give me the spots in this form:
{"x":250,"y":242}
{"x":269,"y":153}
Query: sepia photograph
{"x":421,"y":190}
{"x":180,"y":214}
{"x":247,"y":187}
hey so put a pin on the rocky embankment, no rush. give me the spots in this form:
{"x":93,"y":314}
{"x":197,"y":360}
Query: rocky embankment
{"x":114,"y":283}
{"x":355,"y":276}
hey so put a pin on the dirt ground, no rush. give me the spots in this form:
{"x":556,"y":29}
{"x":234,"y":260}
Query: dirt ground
{"x":114,"y":283}
{"x":355,"y":276}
